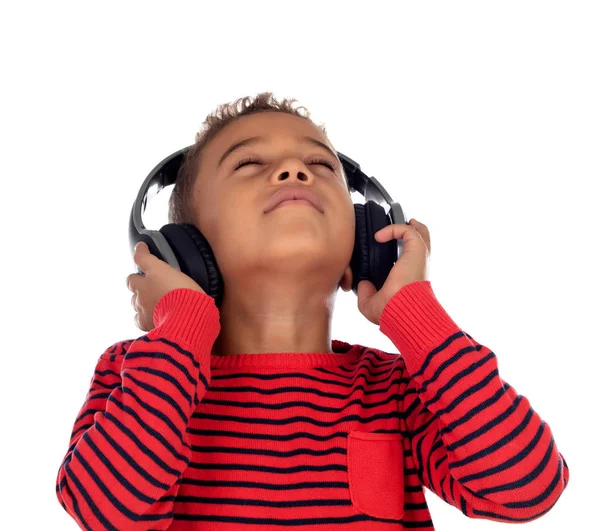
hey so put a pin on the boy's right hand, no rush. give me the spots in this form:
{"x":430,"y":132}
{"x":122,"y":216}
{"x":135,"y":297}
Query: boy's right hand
{"x":159,"y":278}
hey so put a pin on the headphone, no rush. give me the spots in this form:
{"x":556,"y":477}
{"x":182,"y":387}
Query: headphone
{"x":185,"y":248}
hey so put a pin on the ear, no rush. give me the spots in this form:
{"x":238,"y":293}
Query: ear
{"x":346,"y":280}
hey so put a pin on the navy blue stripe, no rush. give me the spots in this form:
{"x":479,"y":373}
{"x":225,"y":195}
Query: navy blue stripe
{"x":264,"y":451}
{"x":143,"y":447}
{"x":490,"y":515}
{"x":297,"y":521}
{"x":151,"y":431}
{"x":472,"y":413}
{"x":65,"y":485}
{"x":527,"y":478}
{"x":75,"y":480}
{"x":162,"y":395}
{"x":162,"y":356}
{"x":299,"y":418}
{"x":122,"y":508}
{"x":270,"y":469}
{"x":506,"y":465}
{"x":167,"y":377}
{"x":300,"y":403}
{"x":188,"y":354}
{"x":131,"y":461}
{"x":443,"y":391}
{"x":265,"y":486}
{"x":484,"y":452}
{"x":466,"y":351}
{"x":276,"y":437}
{"x":443,"y":346}
{"x":178,"y":434}
{"x":384,"y":377}
{"x":306,"y":390}
{"x":118,"y":476}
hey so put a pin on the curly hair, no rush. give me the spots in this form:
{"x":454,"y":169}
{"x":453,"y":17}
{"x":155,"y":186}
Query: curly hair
{"x":181,"y":204}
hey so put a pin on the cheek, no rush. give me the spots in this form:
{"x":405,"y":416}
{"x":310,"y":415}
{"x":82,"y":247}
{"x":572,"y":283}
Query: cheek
{"x":347,"y":232}
{"x":231,"y":228}
{"x":348,"y":214}
{"x":208,"y":209}
{"x":341,"y":221}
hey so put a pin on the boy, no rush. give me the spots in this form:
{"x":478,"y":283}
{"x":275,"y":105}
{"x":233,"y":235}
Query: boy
{"x":248,"y":416}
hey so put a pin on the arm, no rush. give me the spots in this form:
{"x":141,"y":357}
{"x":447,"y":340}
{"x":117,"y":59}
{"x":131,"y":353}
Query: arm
{"x":476,"y":442}
{"x":129,"y":445}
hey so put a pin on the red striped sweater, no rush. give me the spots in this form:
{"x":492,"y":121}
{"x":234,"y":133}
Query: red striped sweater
{"x":171,"y":436}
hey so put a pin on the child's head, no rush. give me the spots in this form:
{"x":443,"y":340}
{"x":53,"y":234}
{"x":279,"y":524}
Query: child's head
{"x":281,"y":262}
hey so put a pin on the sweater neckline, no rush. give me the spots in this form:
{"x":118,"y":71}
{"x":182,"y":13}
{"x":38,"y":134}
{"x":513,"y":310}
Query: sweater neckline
{"x":342,"y":352}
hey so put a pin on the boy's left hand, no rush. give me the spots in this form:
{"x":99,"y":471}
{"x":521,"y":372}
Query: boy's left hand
{"x":412,"y":266}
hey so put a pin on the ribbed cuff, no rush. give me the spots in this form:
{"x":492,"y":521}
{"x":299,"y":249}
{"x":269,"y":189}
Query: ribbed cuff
{"x":187,"y":317}
{"x":415,"y":321}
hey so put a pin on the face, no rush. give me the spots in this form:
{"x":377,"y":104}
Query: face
{"x":230,"y":200}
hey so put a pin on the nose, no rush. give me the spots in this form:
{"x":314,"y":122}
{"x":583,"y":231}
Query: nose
{"x":294,"y":168}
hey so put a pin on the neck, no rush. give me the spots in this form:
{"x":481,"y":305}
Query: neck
{"x":285,"y":320}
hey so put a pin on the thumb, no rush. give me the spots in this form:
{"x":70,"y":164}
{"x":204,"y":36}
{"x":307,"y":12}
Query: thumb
{"x":140,"y":257}
{"x":366,"y":290}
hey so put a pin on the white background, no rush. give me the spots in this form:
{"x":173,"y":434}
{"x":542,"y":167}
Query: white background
{"x":480,"y":118}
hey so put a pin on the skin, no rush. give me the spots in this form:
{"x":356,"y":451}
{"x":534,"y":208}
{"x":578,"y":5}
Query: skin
{"x":282,"y":269}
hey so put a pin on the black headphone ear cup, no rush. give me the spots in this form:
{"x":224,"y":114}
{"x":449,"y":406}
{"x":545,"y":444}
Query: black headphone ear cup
{"x":195,"y":257}
{"x":371,"y":260}
{"x":360,"y":254}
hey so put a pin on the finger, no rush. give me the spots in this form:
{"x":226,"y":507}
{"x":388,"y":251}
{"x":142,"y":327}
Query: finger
{"x":138,"y":251}
{"x":423,"y":231}
{"x":365,"y":290}
{"x":142,"y":256}
{"x":421,"y":227}
{"x":131,"y":281}
{"x":396,"y":231}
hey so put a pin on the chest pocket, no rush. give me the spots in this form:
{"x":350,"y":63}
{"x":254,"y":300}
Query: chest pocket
{"x":376,"y":473}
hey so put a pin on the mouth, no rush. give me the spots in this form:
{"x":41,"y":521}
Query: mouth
{"x":296,"y":195}
{"x":294,"y":202}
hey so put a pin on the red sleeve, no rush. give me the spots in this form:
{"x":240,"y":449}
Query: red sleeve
{"x":129,"y":445}
{"x":476,"y":442}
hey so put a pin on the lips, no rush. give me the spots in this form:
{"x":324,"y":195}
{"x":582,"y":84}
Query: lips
{"x":291,"y":193}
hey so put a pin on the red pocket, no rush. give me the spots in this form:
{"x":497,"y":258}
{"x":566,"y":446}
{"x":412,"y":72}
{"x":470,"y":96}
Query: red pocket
{"x":376,"y":473}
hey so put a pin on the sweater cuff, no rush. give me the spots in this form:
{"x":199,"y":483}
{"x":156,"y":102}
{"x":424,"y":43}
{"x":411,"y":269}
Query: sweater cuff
{"x":187,"y":317}
{"x":415,"y":321}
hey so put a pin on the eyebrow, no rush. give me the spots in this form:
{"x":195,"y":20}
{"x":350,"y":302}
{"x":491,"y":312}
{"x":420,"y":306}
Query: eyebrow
{"x":256,"y":139}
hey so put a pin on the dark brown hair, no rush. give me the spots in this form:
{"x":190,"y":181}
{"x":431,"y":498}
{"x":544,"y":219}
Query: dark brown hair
{"x":181,"y":204}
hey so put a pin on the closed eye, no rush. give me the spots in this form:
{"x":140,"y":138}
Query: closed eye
{"x":252,"y":160}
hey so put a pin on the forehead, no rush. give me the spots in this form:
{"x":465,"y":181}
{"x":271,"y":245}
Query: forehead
{"x":268,"y":124}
